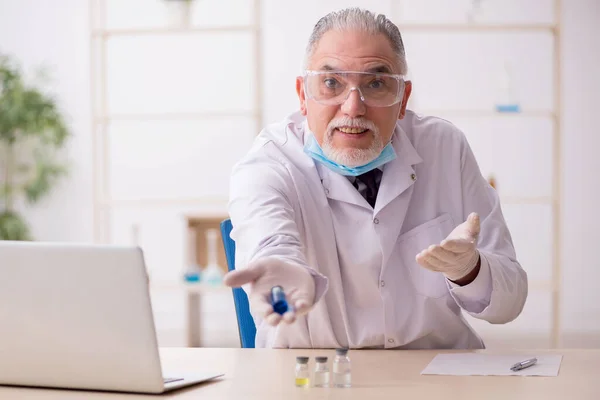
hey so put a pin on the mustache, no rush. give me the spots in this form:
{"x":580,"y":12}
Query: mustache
{"x":361,"y":123}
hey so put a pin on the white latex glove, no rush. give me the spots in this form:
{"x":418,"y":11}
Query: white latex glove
{"x":457,"y":255}
{"x":297,"y":283}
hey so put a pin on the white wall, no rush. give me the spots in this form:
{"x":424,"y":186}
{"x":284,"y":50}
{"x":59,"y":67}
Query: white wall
{"x":154,"y":153}
{"x":581,"y":195}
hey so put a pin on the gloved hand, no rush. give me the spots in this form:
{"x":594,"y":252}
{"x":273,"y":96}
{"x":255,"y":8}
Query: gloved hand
{"x":457,"y":255}
{"x":263,"y":274}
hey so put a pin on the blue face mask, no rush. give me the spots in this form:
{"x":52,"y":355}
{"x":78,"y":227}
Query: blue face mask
{"x":313,"y":149}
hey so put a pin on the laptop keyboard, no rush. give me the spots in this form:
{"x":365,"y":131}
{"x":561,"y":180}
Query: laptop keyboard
{"x":169,"y":380}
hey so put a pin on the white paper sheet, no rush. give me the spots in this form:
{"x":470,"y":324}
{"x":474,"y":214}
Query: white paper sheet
{"x":491,"y":364}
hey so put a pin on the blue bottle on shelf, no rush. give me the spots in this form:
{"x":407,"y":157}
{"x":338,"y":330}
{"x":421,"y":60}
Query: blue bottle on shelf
{"x":507,"y":102}
{"x":193,"y":274}
{"x":212,"y":273}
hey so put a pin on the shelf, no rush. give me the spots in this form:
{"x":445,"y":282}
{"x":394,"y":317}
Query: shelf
{"x":177,"y":116}
{"x":216,"y":200}
{"x":253,"y":29}
{"x":157,"y":202}
{"x":487,"y":114}
{"x":216,"y":206}
{"x":515,"y":200}
{"x":542,"y":285}
{"x":460,"y":27}
{"x":189,"y":288}
{"x":99,"y":33}
{"x":256,"y":113}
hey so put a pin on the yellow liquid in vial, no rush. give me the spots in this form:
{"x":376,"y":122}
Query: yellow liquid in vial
{"x":302,"y":381}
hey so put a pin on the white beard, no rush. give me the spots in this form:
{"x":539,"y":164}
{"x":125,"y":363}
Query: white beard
{"x":352,"y":157}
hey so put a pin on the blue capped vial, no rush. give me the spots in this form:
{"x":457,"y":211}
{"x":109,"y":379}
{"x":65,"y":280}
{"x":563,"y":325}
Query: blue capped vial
{"x":278,"y":301}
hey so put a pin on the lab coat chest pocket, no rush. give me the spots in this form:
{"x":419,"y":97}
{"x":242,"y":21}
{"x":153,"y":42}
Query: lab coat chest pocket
{"x":425,"y":282}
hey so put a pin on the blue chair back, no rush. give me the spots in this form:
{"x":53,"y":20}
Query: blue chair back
{"x":246,"y":327}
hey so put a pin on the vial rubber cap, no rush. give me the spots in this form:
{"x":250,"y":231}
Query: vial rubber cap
{"x":341,"y":352}
{"x":321,"y":359}
{"x":302,"y":360}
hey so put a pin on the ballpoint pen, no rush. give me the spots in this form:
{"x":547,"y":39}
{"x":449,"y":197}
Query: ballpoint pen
{"x":524,"y":364}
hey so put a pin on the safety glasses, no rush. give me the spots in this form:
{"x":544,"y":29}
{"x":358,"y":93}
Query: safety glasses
{"x":334,"y":87}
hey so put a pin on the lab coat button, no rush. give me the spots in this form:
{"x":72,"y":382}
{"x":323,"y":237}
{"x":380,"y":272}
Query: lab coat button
{"x":376,"y":221}
{"x":391,"y":340}
{"x":327,"y":192}
{"x":413,"y":177}
{"x":382,"y":283}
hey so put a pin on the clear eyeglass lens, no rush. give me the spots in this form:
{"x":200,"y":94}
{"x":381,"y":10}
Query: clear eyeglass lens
{"x":332,"y":88}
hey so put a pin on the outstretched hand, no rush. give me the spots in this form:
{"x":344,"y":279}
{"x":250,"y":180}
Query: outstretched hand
{"x":262,"y":275}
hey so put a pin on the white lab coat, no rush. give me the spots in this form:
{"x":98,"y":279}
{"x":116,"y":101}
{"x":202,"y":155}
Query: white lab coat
{"x":370,"y":291}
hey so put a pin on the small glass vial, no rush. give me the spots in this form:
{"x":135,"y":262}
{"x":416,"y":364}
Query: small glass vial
{"x":321,"y":378}
{"x":302,"y":373}
{"x":280,"y":305}
{"x":342,"y":369}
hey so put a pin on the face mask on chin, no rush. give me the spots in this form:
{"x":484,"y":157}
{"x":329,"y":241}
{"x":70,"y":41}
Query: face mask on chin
{"x":312,"y":148}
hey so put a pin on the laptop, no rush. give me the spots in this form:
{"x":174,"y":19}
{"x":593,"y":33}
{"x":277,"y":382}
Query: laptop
{"x":79,"y":316}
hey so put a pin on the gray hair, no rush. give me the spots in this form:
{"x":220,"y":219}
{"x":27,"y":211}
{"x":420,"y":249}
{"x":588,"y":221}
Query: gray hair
{"x":358,"y":19}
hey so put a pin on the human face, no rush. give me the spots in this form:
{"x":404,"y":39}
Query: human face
{"x":352,"y":133}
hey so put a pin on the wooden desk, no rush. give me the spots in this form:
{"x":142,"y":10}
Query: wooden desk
{"x":382,"y":374}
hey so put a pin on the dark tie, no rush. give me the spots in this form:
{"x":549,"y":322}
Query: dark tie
{"x":371,"y":181}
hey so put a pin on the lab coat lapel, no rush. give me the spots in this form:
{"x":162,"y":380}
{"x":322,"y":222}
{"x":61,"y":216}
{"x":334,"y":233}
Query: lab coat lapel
{"x":338,"y":187}
{"x":399,"y":174}
{"x":395,"y":191}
